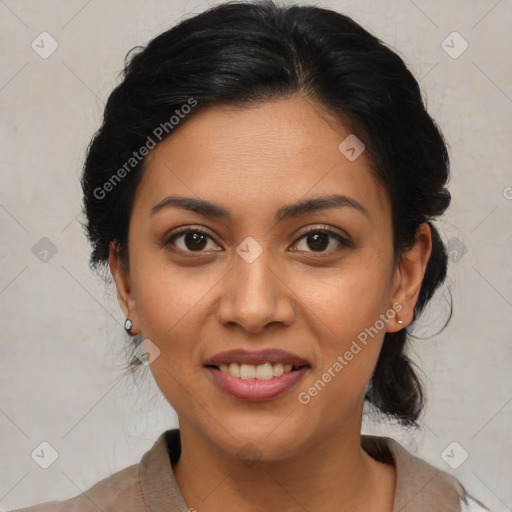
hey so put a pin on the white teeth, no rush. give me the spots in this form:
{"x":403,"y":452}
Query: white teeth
{"x":265,"y":371}
{"x":278,"y":369}
{"x":234,"y":370}
{"x":247,"y":371}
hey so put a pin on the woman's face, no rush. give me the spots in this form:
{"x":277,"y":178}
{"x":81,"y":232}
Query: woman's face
{"x":256,"y":280}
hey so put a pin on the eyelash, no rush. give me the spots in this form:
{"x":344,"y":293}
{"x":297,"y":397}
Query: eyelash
{"x":345,"y":243}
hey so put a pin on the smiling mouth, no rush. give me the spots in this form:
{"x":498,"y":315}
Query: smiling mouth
{"x":265,"y":371}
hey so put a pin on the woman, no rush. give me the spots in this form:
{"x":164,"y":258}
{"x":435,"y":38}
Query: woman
{"x":262,"y":190}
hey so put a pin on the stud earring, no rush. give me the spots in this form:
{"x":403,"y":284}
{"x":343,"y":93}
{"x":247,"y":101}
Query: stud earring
{"x":128,"y":325}
{"x":398,"y":320}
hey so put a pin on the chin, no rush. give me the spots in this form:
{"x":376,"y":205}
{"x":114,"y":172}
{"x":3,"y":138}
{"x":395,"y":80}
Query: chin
{"x":252,"y":443}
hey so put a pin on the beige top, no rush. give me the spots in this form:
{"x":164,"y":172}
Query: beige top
{"x":149,"y":486}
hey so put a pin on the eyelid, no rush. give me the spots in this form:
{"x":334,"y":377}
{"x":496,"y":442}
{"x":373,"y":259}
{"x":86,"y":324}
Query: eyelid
{"x":186,"y":229}
{"x":325,"y":228}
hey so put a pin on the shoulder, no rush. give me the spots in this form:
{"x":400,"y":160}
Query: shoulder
{"x":147,"y":485}
{"x":420,"y":486}
{"x":120,"y":491}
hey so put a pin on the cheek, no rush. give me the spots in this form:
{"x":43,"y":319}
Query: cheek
{"x":351,"y":298}
{"x":350,"y":305}
{"x":348,"y":353}
{"x":167,"y":295}
{"x":172,"y":310}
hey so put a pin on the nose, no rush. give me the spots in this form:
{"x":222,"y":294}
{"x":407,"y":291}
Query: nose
{"x":254,"y":295}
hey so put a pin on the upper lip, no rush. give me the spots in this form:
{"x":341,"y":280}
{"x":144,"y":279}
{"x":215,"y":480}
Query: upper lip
{"x":242,"y":356}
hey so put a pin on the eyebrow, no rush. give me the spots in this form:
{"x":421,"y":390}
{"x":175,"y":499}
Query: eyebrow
{"x":207,"y":208}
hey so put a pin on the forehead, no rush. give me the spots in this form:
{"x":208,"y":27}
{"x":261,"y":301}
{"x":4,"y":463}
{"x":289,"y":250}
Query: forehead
{"x":274,"y":153}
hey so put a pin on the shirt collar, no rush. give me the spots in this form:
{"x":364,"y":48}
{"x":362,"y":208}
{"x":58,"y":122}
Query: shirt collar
{"x":419,"y":487}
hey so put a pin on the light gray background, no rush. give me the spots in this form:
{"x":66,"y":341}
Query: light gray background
{"x":62,"y":339}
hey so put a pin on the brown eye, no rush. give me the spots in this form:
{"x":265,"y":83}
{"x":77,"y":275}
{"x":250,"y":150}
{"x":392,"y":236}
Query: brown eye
{"x":318,"y":240}
{"x":190,"y":240}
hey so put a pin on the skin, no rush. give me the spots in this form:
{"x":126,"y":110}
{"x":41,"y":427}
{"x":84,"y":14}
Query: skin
{"x":309,"y":301}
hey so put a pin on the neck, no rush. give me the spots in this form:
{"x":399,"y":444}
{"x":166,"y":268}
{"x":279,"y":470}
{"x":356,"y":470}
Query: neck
{"x":333,"y":474}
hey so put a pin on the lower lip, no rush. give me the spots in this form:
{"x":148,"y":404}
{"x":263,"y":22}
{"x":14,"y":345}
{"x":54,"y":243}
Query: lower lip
{"x":256,"y":390}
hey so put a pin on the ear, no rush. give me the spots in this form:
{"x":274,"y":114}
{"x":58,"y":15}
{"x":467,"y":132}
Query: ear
{"x":409,"y":276}
{"x":125,"y":293}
